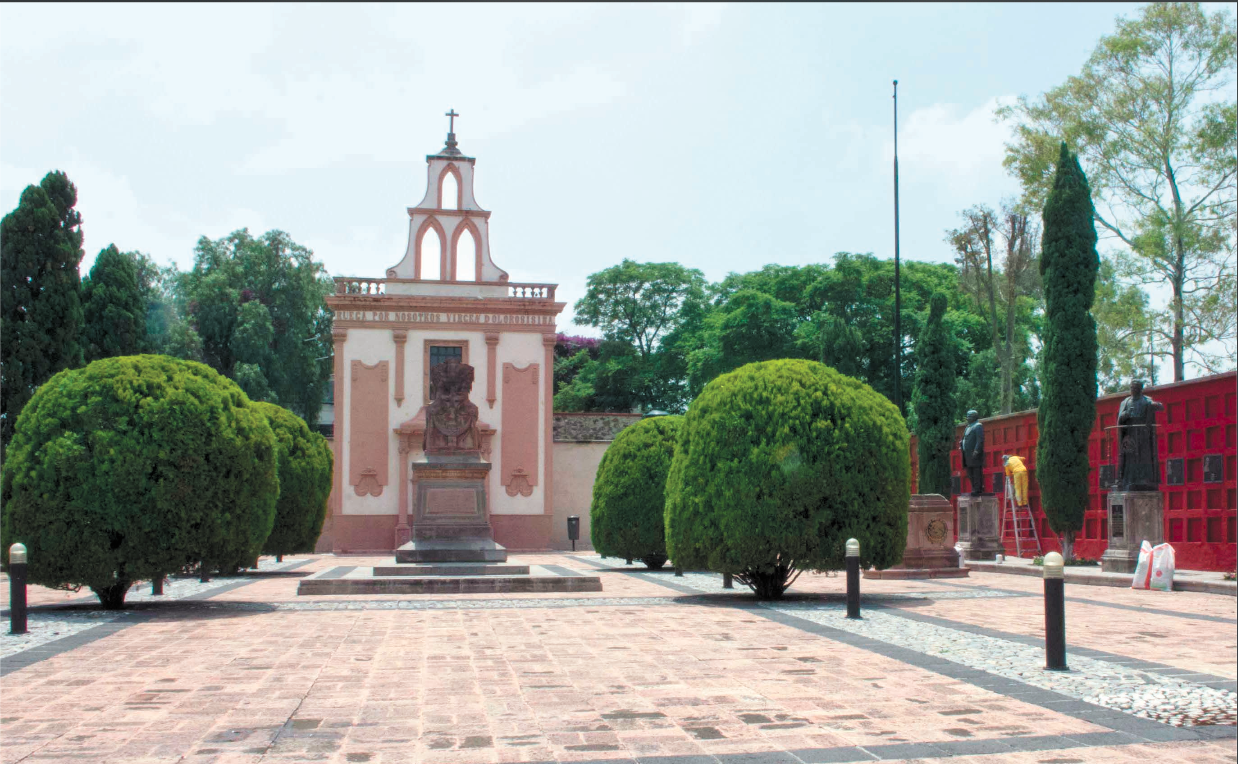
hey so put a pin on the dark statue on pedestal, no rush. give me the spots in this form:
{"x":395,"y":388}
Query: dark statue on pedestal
{"x":1139,"y":467}
{"x":451,"y":418}
{"x":972,"y":446}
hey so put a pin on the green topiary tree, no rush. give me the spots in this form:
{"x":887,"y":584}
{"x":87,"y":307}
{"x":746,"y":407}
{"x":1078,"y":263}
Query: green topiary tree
{"x":626,"y":517}
{"x":114,"y":307}
{"x":133,"y":468}
{"x":933,"y":400}
{"x":1067,"y":409}
{"x":778,"y":464}
{"x":40,"y":293}
{"x":305,"y":462}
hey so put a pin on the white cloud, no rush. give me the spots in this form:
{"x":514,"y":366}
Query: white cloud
{"x":964,"y":150}
{"x":701,"y":19}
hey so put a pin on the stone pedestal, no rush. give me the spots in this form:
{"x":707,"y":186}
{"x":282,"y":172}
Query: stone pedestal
{"x":1134,"y":517}
{"x":451,"y":514}
{"x":978,"y":527}
{"x":930,"y":551}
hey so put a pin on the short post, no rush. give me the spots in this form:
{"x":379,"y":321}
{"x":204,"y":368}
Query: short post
{"x":17,"y":589}
{"x":727,"y":581}
{"x":853,"y":578}
{"x":156,"y":585}
{"x":1055,"y":613}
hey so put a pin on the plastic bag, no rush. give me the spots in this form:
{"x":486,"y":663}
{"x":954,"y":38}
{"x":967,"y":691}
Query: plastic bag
{"x":1162,"y":568}
{"x":1143,"y":569}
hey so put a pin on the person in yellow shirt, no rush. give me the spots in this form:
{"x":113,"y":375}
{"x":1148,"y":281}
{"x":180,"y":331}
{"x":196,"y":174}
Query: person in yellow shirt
{"x":1018,"y":475}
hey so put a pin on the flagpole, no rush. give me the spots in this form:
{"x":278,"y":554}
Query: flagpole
{"x":898,"y":303}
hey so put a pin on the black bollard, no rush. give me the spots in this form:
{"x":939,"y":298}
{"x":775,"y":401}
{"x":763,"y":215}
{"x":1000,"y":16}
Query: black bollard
{"x":156,"y":585}
{"x":1055,"y":613}
{"x":853,"y":578}
{"x":17,"y":589}
{"x":727,"y":581}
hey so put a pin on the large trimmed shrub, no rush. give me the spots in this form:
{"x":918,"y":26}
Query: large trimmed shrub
{"x":778,"y":464}
{"x":626,"y":517}
{"x":933,"y":400}
{"x":305,"y":462}
{"x":134,"y":467}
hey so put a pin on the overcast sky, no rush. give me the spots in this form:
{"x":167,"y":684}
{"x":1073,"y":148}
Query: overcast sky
{"x":724,"y":137}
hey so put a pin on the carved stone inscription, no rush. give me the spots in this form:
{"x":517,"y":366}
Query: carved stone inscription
{"x":451,"y":501}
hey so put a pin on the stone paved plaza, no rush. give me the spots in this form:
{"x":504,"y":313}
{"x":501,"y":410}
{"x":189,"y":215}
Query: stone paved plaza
{"x":655,"y":668}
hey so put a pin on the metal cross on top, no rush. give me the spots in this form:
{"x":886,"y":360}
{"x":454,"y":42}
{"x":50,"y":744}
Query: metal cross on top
{"x":452,"y":124}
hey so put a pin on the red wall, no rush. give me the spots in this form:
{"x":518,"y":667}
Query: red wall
{"x":1199,"y":420}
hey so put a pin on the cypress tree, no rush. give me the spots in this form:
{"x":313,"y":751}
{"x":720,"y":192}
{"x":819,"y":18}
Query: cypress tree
{"x":114,"y":308}
{"x":1068,"y":267}
{"x":40,"y":308}
{"x":933,"y":401}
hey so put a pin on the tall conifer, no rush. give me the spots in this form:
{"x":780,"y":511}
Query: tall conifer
{"x":40,"y":307}
{"x":114,"y":307}
{"x":933,"y":401}
{"x":1068,"y":268}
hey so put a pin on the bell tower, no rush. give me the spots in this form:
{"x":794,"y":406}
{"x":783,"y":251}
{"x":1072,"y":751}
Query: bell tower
{"x":462,"y":228}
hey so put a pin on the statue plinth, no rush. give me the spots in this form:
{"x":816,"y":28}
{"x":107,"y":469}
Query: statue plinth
{"x":1134,"y":517}
{"x":451,"y":509}
{"x":930,"y":534}
{"x":978,"y":528}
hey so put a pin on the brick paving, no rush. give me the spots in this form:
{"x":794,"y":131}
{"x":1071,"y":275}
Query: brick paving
{"x":638,"y":672}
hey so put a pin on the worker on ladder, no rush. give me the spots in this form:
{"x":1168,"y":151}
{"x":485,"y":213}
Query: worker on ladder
{"x":1017,"y":476}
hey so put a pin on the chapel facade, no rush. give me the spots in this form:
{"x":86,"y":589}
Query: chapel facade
{"x":438,"y":303}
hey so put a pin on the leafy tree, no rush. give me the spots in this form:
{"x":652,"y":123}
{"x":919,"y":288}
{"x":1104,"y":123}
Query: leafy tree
{"x":305,"y":462}
{"x":1068,"y":265}
{"x":626,"y":516}
{"x":134,"y":467}
{"x":257,"y":308}
{"x":41,"y":309}
{"x":114,"y":307}
{"x":639,"y":302}
{"x":933,"y":401}
{"x":751,"y":326}
{"x":777,"y":464}
{"x":1124,"y":324}
{"x":1159,"y":148}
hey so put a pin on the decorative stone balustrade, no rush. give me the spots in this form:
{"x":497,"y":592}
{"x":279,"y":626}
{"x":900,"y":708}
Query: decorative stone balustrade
{"x":351,"y":285}
{"x":531,"y":291}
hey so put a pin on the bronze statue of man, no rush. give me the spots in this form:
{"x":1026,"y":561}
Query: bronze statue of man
{"x":972,"y":446}
{"x":1139,"y":467}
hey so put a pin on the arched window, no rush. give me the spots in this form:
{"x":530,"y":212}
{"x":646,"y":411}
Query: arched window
{"x":431,"y":252}
{"x":450,"y":191}
{"x":466,"y":255}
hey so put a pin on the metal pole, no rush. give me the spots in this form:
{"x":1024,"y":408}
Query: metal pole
{"x":853,"y":578}
{"x":1055,"y":613}
{"x":17,"y":589}
{"x":898,"y":302}
{"x":728,"y":581}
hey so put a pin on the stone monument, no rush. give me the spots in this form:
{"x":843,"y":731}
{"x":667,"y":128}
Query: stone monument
{"x":972,"y":448}
{"x":930,"y":532}
{"x":451,"y":517}
{"x":1136,"y":508}
{"x":978,"y":518}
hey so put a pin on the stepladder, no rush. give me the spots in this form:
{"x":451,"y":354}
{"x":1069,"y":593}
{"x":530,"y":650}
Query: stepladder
{"x":1019,"y":520}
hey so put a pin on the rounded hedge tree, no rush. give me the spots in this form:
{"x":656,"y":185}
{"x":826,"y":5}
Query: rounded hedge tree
{"x":134,"y":467}
{"x":627,"y":516}
{"x":778,"y":464}
{"x":305,"y":463}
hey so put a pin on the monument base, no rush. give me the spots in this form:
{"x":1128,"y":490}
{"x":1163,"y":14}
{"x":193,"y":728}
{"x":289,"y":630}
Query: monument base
{"x":928,"y":554}
{"x":1134,"y":517}
{"x":978,"y":527}
{"x":451,"y":517}
{"x":451,"y":550}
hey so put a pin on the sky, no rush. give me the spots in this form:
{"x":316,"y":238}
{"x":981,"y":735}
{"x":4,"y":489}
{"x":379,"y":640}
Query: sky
{"x":721,"y":136}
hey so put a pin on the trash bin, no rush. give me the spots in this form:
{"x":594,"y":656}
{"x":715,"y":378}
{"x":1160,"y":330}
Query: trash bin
{"x":573,"y":530}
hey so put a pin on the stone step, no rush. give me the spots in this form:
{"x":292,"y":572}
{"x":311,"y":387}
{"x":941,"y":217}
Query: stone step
{"x":453,"y":569}
{"x":449,"y":585}
{"x":451,"y":550}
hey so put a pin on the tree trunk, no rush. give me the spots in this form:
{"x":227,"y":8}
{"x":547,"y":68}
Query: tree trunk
{"x":1068,"y":545}
{"x":113,"y":597}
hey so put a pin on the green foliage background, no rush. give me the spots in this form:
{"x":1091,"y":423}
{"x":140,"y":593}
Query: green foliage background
{"x":626,"y":516}
{"x":933,"y":401}
{"x":134,"y":467}
{"x":780,"y":462}
{"x":305,"y":463}
{"x":114,"y":307}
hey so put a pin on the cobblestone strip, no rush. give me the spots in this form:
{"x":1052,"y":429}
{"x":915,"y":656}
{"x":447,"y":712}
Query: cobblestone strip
{"x":47,"y":625}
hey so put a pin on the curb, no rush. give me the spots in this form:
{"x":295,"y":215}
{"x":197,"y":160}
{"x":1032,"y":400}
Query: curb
{"x":1088,"y":578}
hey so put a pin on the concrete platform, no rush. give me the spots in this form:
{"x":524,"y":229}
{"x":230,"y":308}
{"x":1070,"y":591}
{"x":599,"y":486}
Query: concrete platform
{"x":1206,"y":582}
{"x":902,"y":574}
{"x":363,"y":580}
{"x":452,"y":550}
{"x":453,"y":569}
